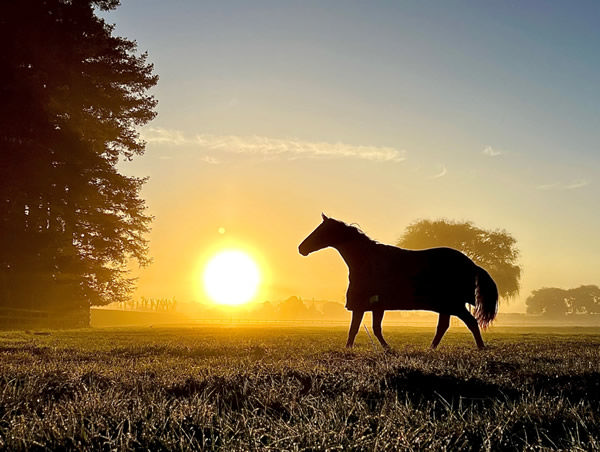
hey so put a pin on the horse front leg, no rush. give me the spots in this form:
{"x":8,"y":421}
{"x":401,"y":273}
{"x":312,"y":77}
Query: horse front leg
{"x":377,"y":320}
{"x":354,"y":326}
{"x":443,"y":324}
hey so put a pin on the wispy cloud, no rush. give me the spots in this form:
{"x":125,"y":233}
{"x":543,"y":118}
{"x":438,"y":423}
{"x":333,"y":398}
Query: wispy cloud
{"x":491,"y":152}
{"x":160,"y":135}
{"x":442,"y":173}
{"x":546,"y":186}
{"x":574,"y":185}
{"x":274,"y":147}
{"x":577,"y":184}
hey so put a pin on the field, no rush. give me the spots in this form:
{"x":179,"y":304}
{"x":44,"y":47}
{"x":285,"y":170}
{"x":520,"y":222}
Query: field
{"x":297,"y":388}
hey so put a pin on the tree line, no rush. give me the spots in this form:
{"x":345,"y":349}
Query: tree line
{"x":147,"y":304}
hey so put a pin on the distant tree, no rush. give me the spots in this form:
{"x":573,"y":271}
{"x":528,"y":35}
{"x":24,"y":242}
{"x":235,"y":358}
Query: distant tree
{"x":293,"y":308}
{"x":550,"y":301}
{"x":585,"y":299}
{"x":312,"y":311}
{"x":553,"y":301}
{"x":495,"y":251}
{"x":72,"y":96}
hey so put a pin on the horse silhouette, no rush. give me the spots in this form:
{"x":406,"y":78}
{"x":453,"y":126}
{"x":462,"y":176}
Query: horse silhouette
{"x":384,"y":277}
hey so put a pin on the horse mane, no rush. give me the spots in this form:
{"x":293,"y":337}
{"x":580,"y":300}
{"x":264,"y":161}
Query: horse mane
{"x":352,"y":232}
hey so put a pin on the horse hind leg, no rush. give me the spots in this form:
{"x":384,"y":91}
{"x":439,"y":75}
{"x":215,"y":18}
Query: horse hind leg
{"x":471,"y":323}
{"x":377,"y":319}
{"x":442,"y":327}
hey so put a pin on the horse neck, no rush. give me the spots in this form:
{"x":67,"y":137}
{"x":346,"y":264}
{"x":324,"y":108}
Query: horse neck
{"x":353,"y":251}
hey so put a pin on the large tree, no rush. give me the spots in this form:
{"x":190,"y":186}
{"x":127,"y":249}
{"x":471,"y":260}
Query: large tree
{"x":496,"y":250}
{"x":72,"y":97}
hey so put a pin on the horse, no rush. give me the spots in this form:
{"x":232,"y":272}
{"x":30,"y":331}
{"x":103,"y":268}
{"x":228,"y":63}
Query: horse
{"x":384,"y":277}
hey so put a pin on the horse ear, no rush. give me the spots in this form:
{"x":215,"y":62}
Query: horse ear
{"x":324,"y":217}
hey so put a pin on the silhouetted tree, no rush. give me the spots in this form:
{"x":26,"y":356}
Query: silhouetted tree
{"x":550,"y":301}
{"x":71,"y":98}
{"x":495,"y":251}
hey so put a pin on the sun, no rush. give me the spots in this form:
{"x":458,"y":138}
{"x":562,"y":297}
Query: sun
{"x":231,"y":277}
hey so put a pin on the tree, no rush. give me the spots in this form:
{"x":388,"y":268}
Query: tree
{"x":495,"y":251}
{"x":293,"y":308}
{"x":553,"y":301}
{"x":73,"y":95}
{"x":549,"y":301}
{"x":585,"y":299}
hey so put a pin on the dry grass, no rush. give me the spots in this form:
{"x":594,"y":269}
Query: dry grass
{"x":251,"y":388}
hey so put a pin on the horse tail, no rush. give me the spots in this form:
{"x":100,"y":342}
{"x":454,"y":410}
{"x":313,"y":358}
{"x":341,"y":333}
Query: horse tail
{"x":486,"y":298}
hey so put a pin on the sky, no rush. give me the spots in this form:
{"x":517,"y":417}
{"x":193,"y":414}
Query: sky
{"x":376,"y":113}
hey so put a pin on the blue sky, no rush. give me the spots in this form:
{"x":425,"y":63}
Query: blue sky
{"x":376,"y":112}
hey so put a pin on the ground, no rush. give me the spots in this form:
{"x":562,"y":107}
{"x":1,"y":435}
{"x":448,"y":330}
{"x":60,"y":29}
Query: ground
{"x":297,"y":388}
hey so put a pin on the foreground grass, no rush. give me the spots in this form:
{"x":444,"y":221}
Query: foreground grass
{"x":246,"y":388}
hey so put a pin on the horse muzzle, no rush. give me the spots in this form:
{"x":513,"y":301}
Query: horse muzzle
{"x":302,"y":250}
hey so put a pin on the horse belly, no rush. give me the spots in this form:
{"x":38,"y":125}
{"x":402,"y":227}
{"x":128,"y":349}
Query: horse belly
{"x":387,"y":294}
{"x":421,"y":289}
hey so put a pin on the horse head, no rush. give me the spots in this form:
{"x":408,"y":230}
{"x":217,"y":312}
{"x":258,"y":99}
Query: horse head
{"x":323,"y":236}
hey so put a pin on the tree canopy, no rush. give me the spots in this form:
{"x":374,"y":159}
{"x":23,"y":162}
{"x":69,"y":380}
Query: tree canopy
{"x":555,"y":302}
{"x":496,"y":250}
{"x":73,"y":96}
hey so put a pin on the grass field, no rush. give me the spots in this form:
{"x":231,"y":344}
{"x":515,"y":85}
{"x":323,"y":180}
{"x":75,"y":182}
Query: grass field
{"x":297,"y":388}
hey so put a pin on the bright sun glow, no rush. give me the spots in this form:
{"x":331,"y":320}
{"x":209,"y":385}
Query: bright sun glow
{"x":231,"y":277}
